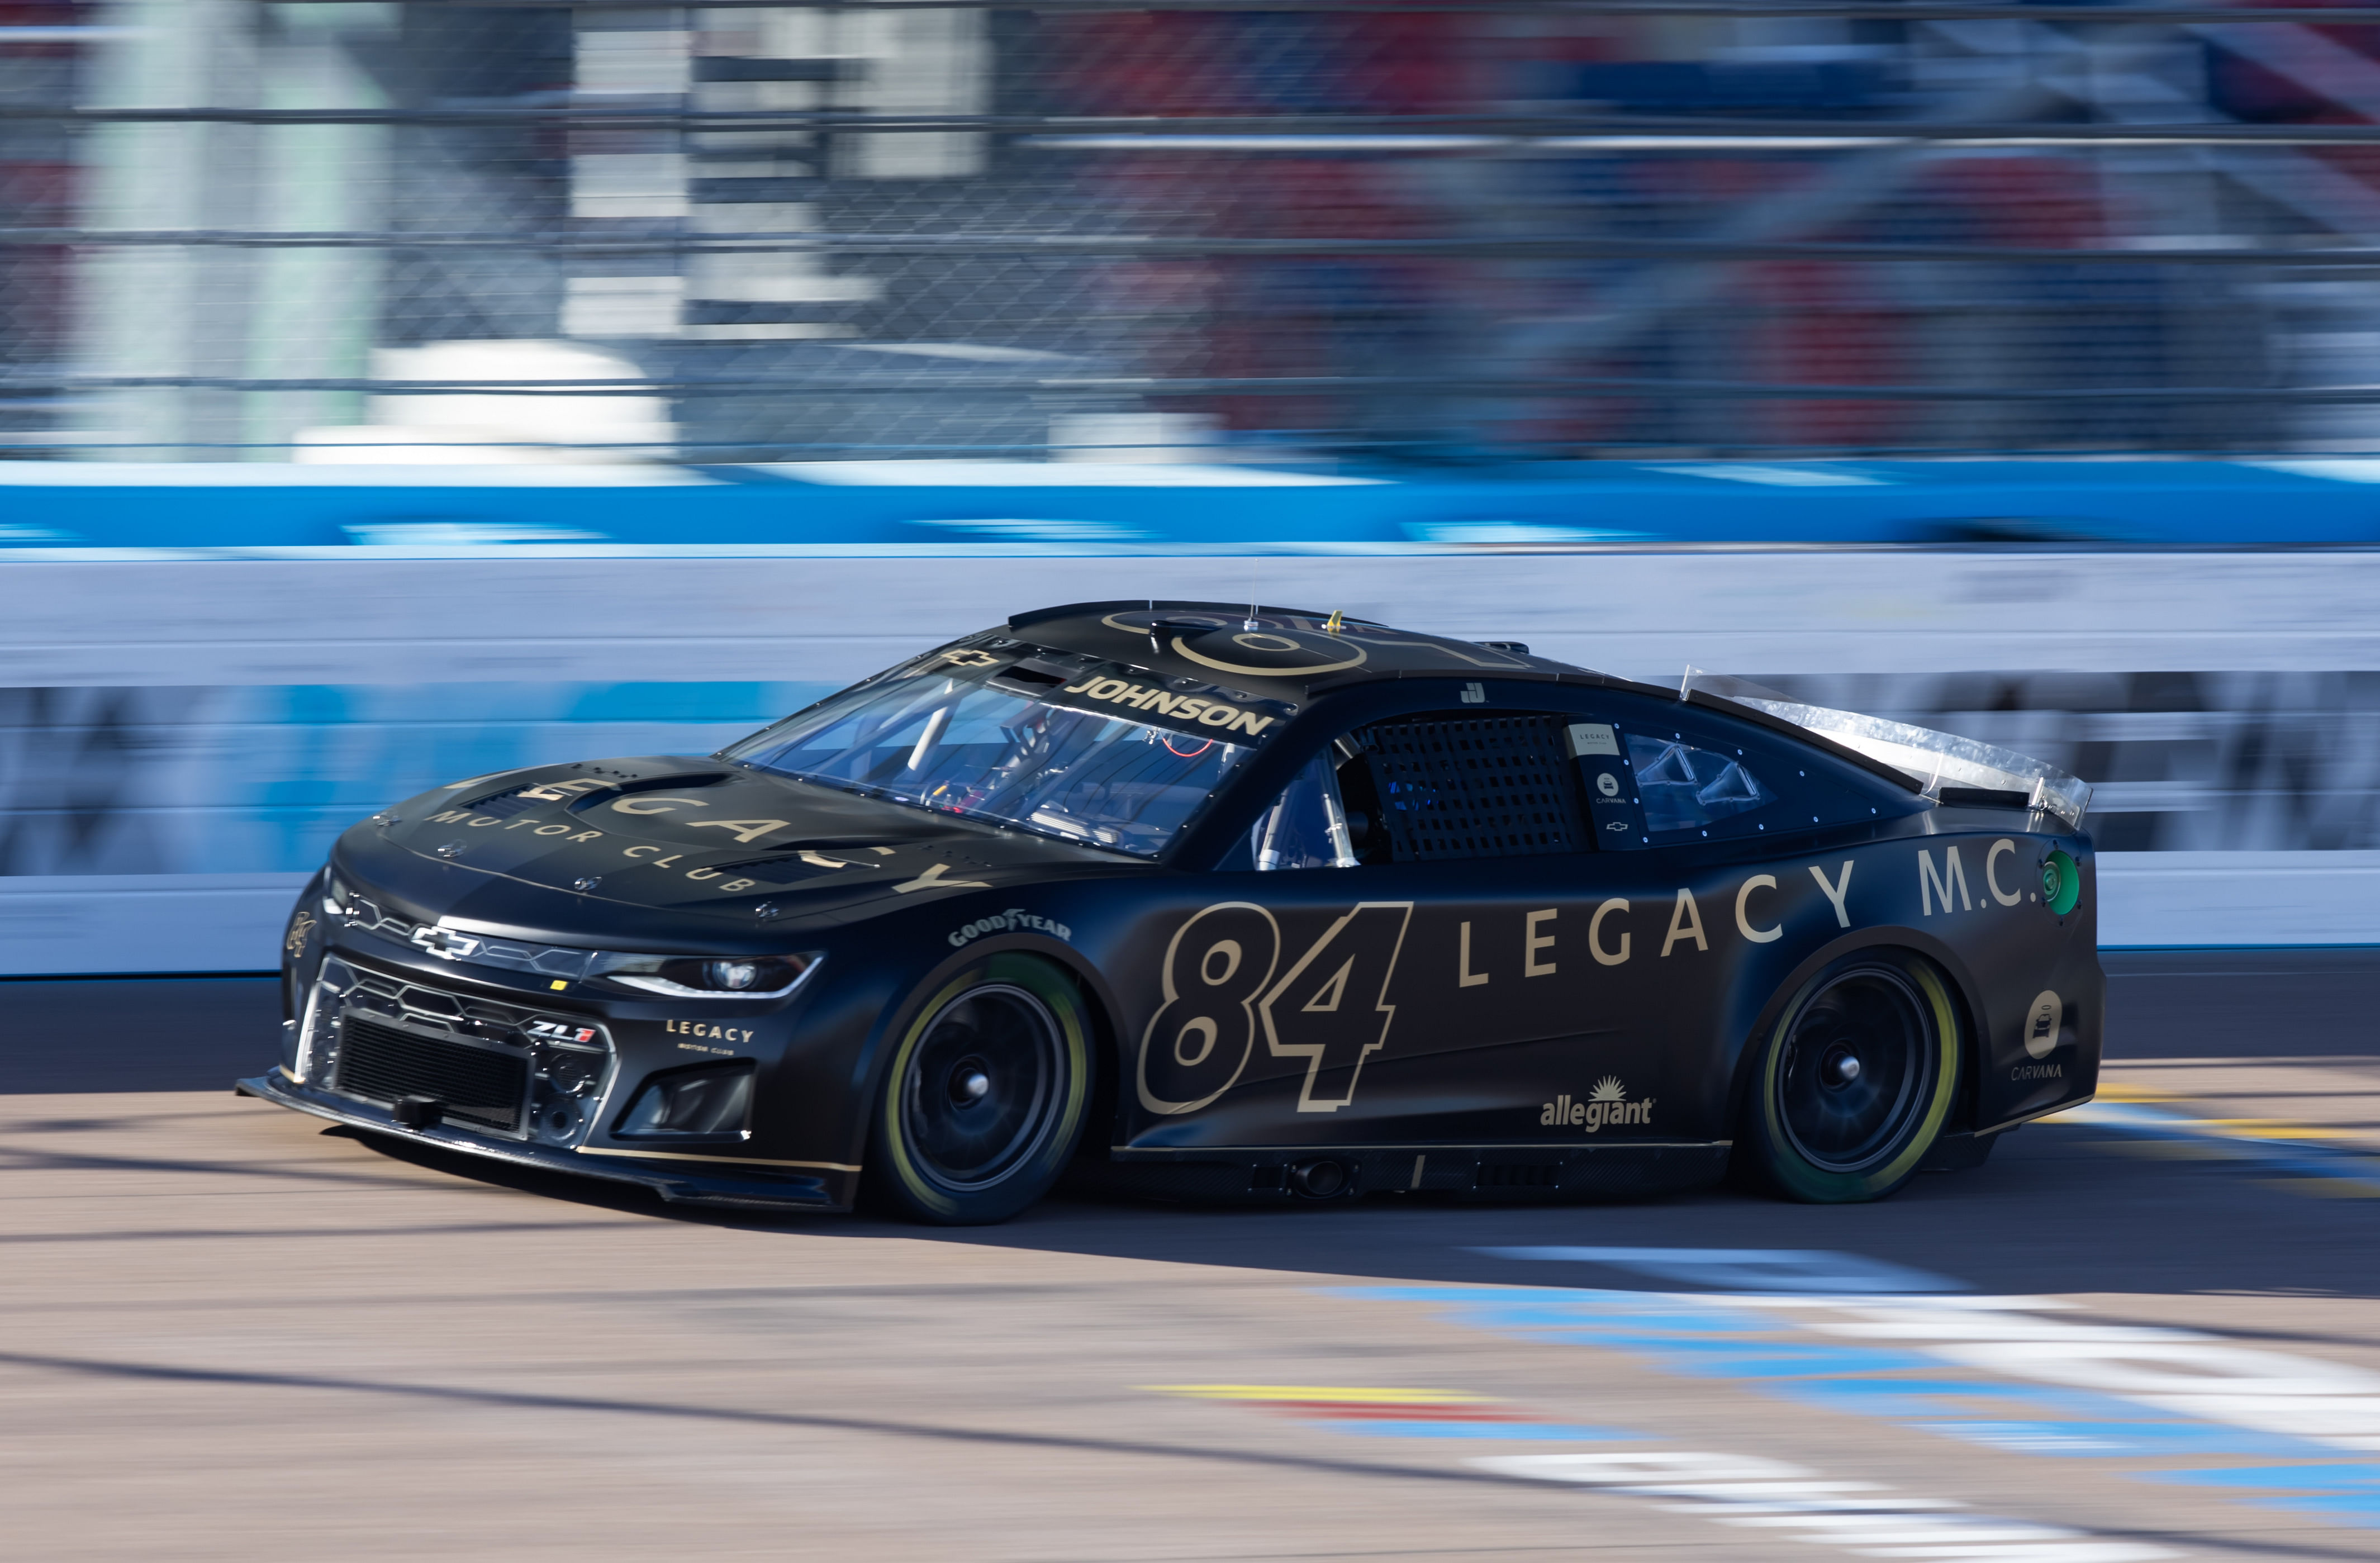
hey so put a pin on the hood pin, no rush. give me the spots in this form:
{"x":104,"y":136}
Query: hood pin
{"x":766,"y":909}
{"x":452,"y":848}
{"x":586,"y":883}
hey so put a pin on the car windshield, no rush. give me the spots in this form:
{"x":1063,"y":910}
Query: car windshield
{"x":943,"y":737}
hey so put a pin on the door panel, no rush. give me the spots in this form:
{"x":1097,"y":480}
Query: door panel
{"x":1410,"y":1003}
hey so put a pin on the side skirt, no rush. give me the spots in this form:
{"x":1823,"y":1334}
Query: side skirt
{"x":1271,"y":1175}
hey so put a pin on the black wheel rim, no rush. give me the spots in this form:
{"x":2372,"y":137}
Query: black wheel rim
{"x":982,"y":1090}
{"x":1858,"y":1065}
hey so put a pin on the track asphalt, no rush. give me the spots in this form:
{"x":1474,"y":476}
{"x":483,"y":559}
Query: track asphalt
{"x":2148,"y":1329}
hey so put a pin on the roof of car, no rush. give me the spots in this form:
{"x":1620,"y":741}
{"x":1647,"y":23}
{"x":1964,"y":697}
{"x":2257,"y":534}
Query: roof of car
{"x":1294,"y":654}
{"x":1286,"y":653}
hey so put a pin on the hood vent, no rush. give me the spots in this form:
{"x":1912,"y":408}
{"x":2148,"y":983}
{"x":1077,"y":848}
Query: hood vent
{"x":505,"y":805}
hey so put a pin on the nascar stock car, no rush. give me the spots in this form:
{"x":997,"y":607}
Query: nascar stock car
{"x":1217,"y":902}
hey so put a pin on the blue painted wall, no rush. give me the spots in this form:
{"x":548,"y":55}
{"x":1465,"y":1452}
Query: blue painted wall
{"x":893,"y":504}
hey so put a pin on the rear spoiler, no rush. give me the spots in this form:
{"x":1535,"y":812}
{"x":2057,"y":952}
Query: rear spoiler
{"x":1934,"y":760}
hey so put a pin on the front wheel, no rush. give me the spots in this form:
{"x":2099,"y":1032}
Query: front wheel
{"x":1854,"y":1083}
{"x":985,"y":1096}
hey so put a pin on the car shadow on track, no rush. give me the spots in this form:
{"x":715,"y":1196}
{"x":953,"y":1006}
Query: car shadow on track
{"x":2059,"y":1209}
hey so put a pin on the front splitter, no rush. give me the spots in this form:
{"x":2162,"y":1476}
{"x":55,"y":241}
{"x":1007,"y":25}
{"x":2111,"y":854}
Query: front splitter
{"x":682,"y":1188}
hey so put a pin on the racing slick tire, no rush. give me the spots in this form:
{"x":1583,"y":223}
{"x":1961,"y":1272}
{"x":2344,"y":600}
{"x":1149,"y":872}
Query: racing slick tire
{"x":1853,"y":1084}
{"x":984,"y":1099}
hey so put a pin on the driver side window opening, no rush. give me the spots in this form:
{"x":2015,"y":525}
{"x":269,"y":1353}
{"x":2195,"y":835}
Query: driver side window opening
{"x":1430,"y":788}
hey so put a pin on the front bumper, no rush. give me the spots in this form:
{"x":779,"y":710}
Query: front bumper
{"x":671,"y":1182}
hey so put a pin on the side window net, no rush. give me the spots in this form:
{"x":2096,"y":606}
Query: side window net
{"x":1489,"y":786}
{"x":1685,"y":787}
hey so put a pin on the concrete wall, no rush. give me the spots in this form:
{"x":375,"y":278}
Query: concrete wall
{"x":181,"y":737}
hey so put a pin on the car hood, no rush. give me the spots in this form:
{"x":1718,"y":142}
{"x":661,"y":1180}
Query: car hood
{"x":596,"y":849}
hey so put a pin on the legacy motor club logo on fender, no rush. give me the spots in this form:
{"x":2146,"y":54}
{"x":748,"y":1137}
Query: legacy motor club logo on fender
{"x":1607,"y":1103}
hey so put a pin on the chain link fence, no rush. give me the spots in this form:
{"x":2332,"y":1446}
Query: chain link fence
{"x":431,"y":230}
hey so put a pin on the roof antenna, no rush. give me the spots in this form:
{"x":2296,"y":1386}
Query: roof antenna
{"x":1250,"y":622}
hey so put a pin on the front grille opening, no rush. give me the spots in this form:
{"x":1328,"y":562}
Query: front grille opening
{"x":381,"y":1064}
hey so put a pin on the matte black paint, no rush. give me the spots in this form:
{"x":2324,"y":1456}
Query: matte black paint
{"x":1451,"y":1089}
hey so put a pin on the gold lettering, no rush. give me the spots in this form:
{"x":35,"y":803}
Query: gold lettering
{"x":639,"y":851}
{"x":653,"y":805}
{"x":1685,"y":921}
{"x":1594,"y":934}
{"x":1218,"y":715}
{"x":1251,"y":723}
{"x":1743,"y":919}
{"x":1531,"y":942}
{"x":1835,"y":891}
{"x":1991,"y":878}
{"x":702,"y":873}
{"x":1191,"y":709}
{"x":561,"y":792}
{"x":450,"y":817}
{"x":734,"y":885}
{"x":746,"y":831}
{"x":1930,"y":884}
{"x":1465,"y":976}
{"x":588,"y":836}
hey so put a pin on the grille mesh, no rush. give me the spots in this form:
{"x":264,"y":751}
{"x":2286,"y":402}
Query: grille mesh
{"x":382,"y":1063}
{"x":1489,"y":786}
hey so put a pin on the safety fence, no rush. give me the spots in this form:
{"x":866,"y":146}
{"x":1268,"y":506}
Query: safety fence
{"x":1379,"y":229}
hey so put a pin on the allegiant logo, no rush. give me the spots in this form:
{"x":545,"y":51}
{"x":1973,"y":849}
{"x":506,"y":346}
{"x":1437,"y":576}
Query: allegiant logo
{"x":1607,"y":1103}
{"x":1206,"y":713}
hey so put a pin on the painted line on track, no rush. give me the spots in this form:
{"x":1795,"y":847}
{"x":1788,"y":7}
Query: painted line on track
{"x":2302,"y":1159}
{"x":1867,"y":1519}
{"x":2030,"y":1376}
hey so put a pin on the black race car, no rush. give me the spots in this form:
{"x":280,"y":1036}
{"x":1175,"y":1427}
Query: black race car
{"x":1221,"y":903}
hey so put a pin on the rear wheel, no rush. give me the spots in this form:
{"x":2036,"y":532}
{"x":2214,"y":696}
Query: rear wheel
{"x":985,"y":1096}
{"x":1856,"y":1081}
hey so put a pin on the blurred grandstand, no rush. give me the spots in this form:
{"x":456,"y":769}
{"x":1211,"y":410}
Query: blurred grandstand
{"x":1419,"y":231}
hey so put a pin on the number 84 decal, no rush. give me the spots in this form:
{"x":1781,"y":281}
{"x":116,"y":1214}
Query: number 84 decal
{"x":1331,"y":1008}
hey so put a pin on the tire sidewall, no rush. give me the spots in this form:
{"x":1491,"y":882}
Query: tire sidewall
{"x":1783,"y":1166}
{"x":894,"y":1174}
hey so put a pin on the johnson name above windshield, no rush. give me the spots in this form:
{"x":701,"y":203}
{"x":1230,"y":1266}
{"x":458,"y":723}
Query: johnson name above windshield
{"x":1066,"y":744}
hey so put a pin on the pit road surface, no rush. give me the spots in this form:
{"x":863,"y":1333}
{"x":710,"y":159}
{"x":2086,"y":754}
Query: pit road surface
{"x":227,"y":1332}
